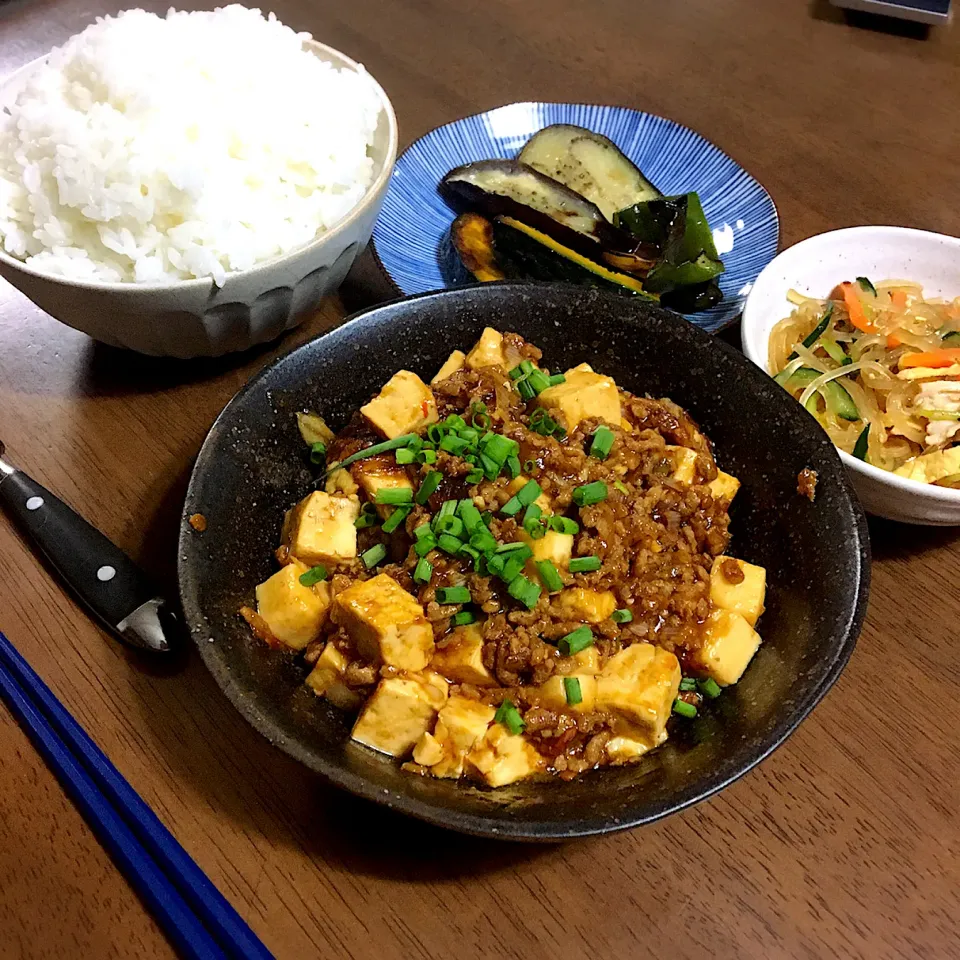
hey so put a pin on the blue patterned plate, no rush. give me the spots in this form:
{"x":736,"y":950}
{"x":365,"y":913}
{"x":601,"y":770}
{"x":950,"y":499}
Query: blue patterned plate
{"x":411,"y":237}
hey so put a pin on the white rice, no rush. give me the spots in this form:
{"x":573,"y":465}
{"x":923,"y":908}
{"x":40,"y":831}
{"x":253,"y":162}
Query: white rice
{"x":155,"y":150}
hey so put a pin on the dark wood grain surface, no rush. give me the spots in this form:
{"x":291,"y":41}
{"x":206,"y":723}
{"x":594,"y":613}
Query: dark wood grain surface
{"x":845,"y":843}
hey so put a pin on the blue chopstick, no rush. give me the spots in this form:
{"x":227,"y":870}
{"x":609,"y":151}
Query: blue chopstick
{"x":96,"y":785}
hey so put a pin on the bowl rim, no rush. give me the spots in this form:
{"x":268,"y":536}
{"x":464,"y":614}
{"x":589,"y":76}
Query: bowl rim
{"x":752,"y":322}
{"x":722,"y":325}
{"x":477,"y":824}
{"x":322,"y":50}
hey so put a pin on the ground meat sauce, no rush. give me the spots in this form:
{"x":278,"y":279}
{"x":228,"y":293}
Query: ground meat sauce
{"x":656,"y":539}
{"x":807,"y":483}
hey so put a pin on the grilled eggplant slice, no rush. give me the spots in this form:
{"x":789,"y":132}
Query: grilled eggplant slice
{"x":527,"y":253}
{"x":508,"y":188}
{"x":590,"y":164}
{"x":472,"y":236}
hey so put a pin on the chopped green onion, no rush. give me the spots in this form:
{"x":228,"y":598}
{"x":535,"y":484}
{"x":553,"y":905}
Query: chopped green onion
{"x":447,"y":509}
{"x":470,"y":435}
{"x":584,"y":564}
{"x":471,"y":553}
{"x":529,"y":466}
{"x":539,"y":381}
{"x":470,"y":516}
{"x":368,"y":517}
{"x":314,"y":575}
{"x":463,"y":618}
{"x":557,"y":378}
{"x":526,"y":366}
{"x":436,"y":432}
{"x":512,"y":507}
{"x":451,"y":525}
{"x":622,"y":487}
{"x":533,"y":512}
{"x":623,"y":615}
{"x":373,"y":556}
{"x":428,"y":486}
{"x":513,"y":467}
{"x":512,"y":567}
{"x":867,"y":285}
{"x":407,"y":455}
{"x":394,"y":496}
{"x":684,"y":709}
{"x":525,"y":591}
{"x":541,"y":422}
{"x":495,"y":563}
{"x":515,"y":547}
{"x":491,"y":469}
{"x":423,"y":571}
{"x":479,"y":417}
{"x":453,"y":444}
{"x":395,"y":444}
{"x":455,"y":422}
{"x":572,"y":691}
{"x":575,"y":641}
{"x":563,"y":525}
{"x":516,"y":373}
{"x":397,"y":517}
{"x":590,"y":493}
{"x":528,"y":492}
{"x":525,"y":390}
{"x":427,"y":456}
{"x":862,"y":444}
{"x":602,"y":442}
{"x":318,"y":452}
{"x":449,"y":544}
{"x":474,"y":476}
{"x":687,"y":684}
{"x":508,"y":715}
{"x":424,"y":545}
{"x":453,"y":595}
{"x":549,"y":576}
{"x":486,"y":517}
{"x":709,"y":688}
{"x":422,"y":532}
{"x":483,"y":540}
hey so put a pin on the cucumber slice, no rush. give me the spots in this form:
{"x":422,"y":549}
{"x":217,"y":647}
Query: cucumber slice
{"x":838,"y":401}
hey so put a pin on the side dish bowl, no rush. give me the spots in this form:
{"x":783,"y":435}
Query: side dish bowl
{"x":252,"y":468}
{"x":814,"y":267}
{"x":194,"y":318}
{"x":412,"y":236}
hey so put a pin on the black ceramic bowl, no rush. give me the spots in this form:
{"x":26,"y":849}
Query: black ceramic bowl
{"x":252,"y":468}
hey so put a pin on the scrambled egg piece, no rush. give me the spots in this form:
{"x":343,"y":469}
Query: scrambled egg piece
{"x":729,"y":645}
{"x":745,"y":597}
{"x":502,"y":757}
{"x":461,"y":723}
{"x":294,"y":613}
{"x":326,"y":679}
{"x":928,"y":373}
{"x":639,"y":685}
{"x":321,"y":528}
{"x":399,"y":713}
{"x":404,"y":405}
{"x":930,"y":467}
{"x":453,"y":363}
{"x":488,"y":351}
{"x":386,"y":623}
{"x":591,"y":606}
{"x":583,"y":394}
{"x":460,"y":657}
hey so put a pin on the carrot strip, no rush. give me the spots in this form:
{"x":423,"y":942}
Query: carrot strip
{"x":893,"y":341}
{"x":855,"y":309}
{"x":899,"y":298}
{"x":945,"y":357}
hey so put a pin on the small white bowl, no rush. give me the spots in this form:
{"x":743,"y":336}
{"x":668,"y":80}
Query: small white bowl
{"x":814,"y":267}
{"x":195,"y":318}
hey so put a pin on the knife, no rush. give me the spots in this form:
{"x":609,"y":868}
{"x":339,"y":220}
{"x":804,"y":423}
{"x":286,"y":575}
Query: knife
{"x":105,"y":580}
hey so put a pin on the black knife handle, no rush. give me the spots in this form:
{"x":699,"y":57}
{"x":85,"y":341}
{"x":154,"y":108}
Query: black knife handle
{"x":103,"y":577}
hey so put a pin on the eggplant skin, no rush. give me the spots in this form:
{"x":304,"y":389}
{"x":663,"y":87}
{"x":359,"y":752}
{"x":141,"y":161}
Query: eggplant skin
{"x":498,"y":188}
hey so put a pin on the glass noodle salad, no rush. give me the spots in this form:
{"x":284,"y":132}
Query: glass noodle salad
{"x":878,"y":365}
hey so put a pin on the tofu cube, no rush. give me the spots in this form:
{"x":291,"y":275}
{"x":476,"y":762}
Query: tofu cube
{"x":294,"y":613}
{"x":320,"y":529}
{"x":461,"y":723}
{"x":638,"y":685}
{"x":729,"y":645}
{"x":460,"y":657}
{"x":590,"y":606}
{"x":745,"y":596}
{"x":453,"y":363}
{"x":685,"y":464}
{"x":428,"y":751}
{"x":724,"y":486}
{"x":326,"y":679}
{"x":399,"y":713}
{"x":553,"y":693}
{"x":380,"y":473}
{"x":488,"y":351}
{"x":386,"y":623}
{"x":621,"y":750}
{"x":587,"y":661}
{"x":404,"y":405}
{"x":583,"y":394}
{"x":501,"y":757}
{"x":553,"y":546}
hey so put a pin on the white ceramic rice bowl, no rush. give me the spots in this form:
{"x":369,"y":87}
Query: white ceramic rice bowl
{"x":195,"y":318}
{"x":814,"y":267}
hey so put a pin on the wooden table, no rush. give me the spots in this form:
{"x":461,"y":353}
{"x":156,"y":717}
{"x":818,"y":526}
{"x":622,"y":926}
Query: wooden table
{"x":843,"y":844}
